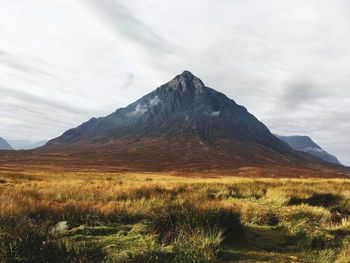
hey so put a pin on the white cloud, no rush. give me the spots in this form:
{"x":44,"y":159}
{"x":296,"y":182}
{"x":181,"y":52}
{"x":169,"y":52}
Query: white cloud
{"x":154,"y":101}
{"x":142,"y":108}
{"x":212,"y":113}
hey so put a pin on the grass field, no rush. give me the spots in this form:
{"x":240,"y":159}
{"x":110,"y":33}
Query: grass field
{"x":130,"y":217}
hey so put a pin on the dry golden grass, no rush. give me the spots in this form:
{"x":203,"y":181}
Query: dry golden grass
{"x":302,"y":218}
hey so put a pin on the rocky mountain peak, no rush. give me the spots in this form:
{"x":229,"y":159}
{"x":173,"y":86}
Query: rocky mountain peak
{"x":187,"y":83}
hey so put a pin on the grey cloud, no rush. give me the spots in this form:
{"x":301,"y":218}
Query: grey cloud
{"x":161,"y":55}
{"x":299,"y":93}
{"x":33,"y":99}
{"x":124,"y":21}
{"x":19,"y":63}
{"x":35,"y":117}
{"x":129,"y":81}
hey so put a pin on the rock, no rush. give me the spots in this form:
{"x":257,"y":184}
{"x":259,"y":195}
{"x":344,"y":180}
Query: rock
{"x":61,"y":227}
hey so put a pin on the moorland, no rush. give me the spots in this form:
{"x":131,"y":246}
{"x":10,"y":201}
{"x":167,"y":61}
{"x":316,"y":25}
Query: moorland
{"x":89,"y":216}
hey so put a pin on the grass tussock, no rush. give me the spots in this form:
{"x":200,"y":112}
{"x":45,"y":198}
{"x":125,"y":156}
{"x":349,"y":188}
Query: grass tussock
{"x":111,"y":217}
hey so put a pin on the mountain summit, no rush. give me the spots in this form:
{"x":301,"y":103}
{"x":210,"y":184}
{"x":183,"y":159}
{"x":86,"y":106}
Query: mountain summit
{"x":182,"y":124}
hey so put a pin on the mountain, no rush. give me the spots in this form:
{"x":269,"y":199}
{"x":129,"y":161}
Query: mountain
{"x":307,"y":145}
{"x":26,"y":144}
{"x":183,"y":124}
{"x":4,"y":145}
{"x":182,"y":107}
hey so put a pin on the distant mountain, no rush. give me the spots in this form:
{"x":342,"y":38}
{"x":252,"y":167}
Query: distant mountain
{"x":181,"y":124}
{"x":26,"y":144}
{"x":4,"y":145}
{"x":307,"y":145}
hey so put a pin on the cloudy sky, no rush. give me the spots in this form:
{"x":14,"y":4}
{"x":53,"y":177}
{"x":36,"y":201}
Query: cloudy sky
{"x":65,"y":61}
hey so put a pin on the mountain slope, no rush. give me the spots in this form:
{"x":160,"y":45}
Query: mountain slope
{"x":4,"y":145}
{"x":307,"y":145}
{"x":181,"y":125}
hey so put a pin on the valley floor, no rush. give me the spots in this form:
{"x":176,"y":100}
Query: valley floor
{"x":148,"y":217}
